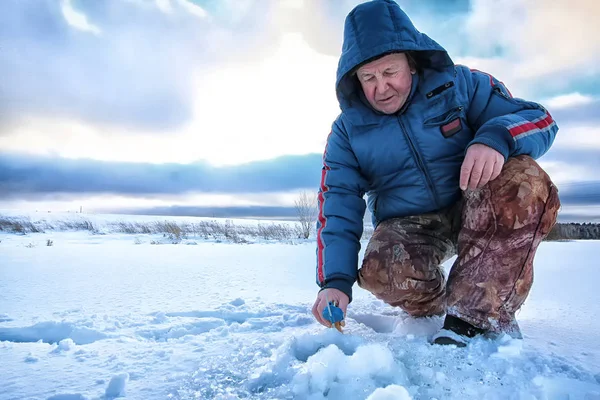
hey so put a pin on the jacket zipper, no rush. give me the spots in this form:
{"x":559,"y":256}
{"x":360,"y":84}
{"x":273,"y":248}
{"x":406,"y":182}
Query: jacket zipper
{"x":421,"y":164}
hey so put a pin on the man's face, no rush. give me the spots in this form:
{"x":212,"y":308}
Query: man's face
{"x":386,"y":82}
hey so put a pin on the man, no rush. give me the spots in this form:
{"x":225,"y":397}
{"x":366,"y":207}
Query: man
{"x":446,"y":156}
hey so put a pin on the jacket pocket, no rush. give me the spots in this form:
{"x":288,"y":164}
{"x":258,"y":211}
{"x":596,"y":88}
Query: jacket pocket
{"x":445,"y":117}
{"x":450,"y":122}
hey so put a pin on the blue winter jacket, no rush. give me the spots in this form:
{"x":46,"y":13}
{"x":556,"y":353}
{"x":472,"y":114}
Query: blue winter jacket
{"x":408,"y":163}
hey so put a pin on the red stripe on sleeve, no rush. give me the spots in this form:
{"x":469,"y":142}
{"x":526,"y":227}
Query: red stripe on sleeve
{"x":530,"y":126}
{"x":322,"y":219}
{"x":323,"y":222}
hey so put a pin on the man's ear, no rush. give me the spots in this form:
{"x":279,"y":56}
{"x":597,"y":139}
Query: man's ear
{"x":411,"y":62}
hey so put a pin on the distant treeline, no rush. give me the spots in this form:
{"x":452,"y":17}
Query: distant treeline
{"x":574,"y":231}
{"x":220,"y":229}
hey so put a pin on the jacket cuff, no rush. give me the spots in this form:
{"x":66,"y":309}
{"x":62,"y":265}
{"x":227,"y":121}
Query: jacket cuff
{"x":341,"y":284}
{"x":496,"y":137}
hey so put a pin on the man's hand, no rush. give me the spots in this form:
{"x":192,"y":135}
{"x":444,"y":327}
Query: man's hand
{"x":481,"y":165}
{"x":336,"y":296}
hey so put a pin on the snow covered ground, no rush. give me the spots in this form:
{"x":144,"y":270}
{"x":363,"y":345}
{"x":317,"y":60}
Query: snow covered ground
{"x":108,"y":316}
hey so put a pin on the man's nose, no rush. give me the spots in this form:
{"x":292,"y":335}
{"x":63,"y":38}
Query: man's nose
{"x":382,"y":85}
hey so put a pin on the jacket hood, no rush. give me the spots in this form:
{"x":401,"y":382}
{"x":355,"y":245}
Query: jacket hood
{"x":376,"y":28}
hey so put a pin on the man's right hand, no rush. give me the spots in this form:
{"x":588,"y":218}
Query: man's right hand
{"x":338,"y":297}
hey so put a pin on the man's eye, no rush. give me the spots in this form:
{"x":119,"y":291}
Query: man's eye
{"x":367,"y":78}
{"x":390,"y":73}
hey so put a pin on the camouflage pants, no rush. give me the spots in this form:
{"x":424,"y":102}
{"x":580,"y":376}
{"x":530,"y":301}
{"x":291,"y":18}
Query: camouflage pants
{"x":495,"y":231}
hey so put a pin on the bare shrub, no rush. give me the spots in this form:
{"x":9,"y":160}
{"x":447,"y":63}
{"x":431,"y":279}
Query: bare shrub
{"x":177,"y":232}
{"x":235,"y":238}
{"x":21,"y":226}
{"x":297,"y":231}
{"x":228,"y":229}
{"x":49,"y":243}
{"x":171,"y":230}
{"x":275,"y":231}
{"x":205,"y":229}
{"x":33,"y":228}
{"x":133,"y":227}
{"x":78,"y":225}
{"x":214,"y":229}
{"x":143,"y":228}
{"x":306,"y":211}
{"x":125,"y":227}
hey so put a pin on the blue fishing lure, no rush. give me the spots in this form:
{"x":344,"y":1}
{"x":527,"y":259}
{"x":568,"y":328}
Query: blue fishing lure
{"x":333,"y":313}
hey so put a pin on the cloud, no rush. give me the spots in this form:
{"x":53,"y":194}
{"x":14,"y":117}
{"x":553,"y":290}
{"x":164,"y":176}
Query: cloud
{"x":31,"y":177}
{"x":77,"y":19}
{"x":565,"y":164}
{"x":579,"y":138}
{"x":577,"y":114}
{"x":578,"y":121}
{"x":123,"y":203}
{"x":175,"y":81}
{"x":321,"y":22}
{"x":165,"y":6}
{"x":517,"y":40}
{"x":562,"y":172}
{"x":569,"y":100}
{"x":536,"y":48}
{"x":193,"y":8}
{"x":579,"y":124}
{"x":135,"y":63}
{"x":575,"y":174}
{"x":243,"y":112}
{"x":553,"y":38}
{"x":580,"y":193}
{"x":580,"y":214}
{"x":120,"y":62}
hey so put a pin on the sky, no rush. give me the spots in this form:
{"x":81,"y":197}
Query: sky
{"x":185,"y":106}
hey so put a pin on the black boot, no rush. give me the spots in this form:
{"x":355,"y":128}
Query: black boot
{"x":457,"y":332}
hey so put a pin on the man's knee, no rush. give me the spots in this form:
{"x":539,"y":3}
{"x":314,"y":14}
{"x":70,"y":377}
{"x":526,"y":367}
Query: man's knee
{"x":402,"y":279}
{"x":521,"y":183}
{"x":521,"y":179}
{"x":523,"y":194}
{"x":415,"y":296}
{"x":383,"y":266}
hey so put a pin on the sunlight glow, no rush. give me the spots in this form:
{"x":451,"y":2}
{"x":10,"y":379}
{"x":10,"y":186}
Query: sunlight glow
{"x":283,"y":104}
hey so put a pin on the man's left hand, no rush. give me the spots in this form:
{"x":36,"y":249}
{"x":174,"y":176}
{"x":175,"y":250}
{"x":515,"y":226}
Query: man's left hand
{"x":481,"y":165}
